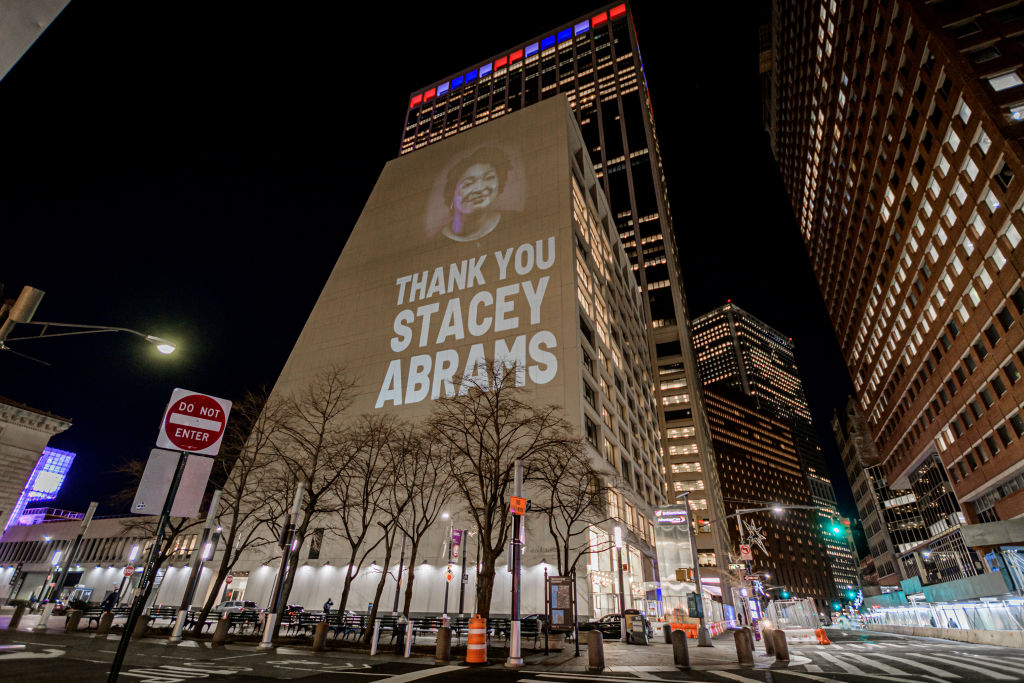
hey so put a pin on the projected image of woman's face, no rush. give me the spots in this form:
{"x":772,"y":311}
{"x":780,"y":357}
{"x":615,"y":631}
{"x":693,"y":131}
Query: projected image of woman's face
{"x":476,"y":189}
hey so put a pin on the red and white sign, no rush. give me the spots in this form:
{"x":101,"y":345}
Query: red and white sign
{"x":128,"y":571}
{"x":449,"y":574}
{"x":194,"y":423}
{"x":228,"y":578}
{"x":745,"y":553}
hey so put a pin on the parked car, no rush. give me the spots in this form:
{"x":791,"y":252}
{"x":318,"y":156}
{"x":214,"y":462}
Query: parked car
{"x":611,"y":625}
{"x":236,"y":606}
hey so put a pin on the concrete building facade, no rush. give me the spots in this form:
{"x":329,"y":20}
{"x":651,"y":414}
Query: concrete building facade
{"x":24,"y":433}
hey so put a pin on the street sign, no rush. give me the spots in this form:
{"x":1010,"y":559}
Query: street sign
{"x":194,"y":422}
{"x":745,"y":553}
{"x":449,"y":574}
{"x":156,"y":481}
{"x":751,"y":577}
{"x":129,"y":570}
{"x":228,"y":579}
{"x":518,"y":506}
{"x":737,"y":566}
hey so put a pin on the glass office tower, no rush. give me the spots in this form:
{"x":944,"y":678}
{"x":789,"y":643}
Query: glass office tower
{"x":595,"y":62}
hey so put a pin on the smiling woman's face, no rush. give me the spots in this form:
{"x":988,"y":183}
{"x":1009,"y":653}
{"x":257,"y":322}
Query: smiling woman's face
{"x":476,"y":189}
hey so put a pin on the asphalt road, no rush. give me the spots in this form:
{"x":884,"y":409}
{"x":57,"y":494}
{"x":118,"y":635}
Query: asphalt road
{"x":854,"y":656}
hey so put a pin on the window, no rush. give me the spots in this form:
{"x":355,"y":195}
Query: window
{"x":316,"y":541}
{"x":1011,"y":372}
{"x":998,"y":385}
{"x":1005,"y":81}
{"x":986,"y":397}
{"x":591,"y":430}
{"x":992,"y":334}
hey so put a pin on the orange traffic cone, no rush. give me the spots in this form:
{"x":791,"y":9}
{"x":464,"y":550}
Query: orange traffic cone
{"x":476,"y":645}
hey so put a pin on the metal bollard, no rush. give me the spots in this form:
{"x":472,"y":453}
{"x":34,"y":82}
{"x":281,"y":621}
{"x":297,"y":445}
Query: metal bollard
{"x":668,"y":633}
{"x":74,"y":616}
{"x":595,"y":652}
{"x":443,"y":652}
{"x":743,"y":654}
{"x":750,"y":637}
{"x":769,"y":645}
{"x":103,"y":626}
{"x":376,"y":637}
{"x":680,"y":649}
{"x":320,"y":636}
{"x":410,"y":633}
{"x":221,"y":632}
{"x":16,"y":617}
{"x":781,"y":648}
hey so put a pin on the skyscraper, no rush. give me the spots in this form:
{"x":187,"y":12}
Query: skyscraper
{"x":737,"y":350}
{"x":595,"y":62}
{"x":896,"y":129}
{"x":892,"y":519}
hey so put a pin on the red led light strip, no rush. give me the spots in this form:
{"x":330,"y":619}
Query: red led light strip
{"x":599,"y":19}
{"x":617,"y":11}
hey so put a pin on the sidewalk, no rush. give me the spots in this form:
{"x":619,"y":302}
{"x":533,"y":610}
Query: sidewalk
{"x":623,"y":657}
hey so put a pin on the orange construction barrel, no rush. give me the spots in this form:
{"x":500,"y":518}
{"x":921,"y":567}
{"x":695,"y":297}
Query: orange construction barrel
{"x":476,"y":645}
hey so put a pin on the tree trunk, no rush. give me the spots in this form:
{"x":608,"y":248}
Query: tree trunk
{"x":485,"y":582}
{"x":411,"y":573}
{"x":368,"y":633}
{"x":211,"y":600}
{"x":286,"y":590}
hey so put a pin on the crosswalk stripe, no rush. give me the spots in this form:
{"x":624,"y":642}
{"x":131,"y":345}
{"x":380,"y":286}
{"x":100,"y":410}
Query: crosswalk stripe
{"x":1003,"y":666}
{"x":848,"y":668}
{"x":917,"y":665}
{"x":820,"y":679}
{"x":734,"y":677}
{"x":885,"y":668}
{"x":977,"y":668}
{"x":813,"y":668}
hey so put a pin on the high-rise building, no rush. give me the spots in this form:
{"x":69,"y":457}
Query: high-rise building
{"x":498,"y":245}
{"x":595,"y":62}
{"x":893,"y":525}
{"x":758,"y":461}
{"x":736,"y":349}
{"x":896,"y":127}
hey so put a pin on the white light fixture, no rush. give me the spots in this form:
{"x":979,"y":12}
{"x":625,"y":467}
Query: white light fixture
{"x":162,"y":345}
{"x":134,"y":553}
{"x":618,"y":537}
{"x":207,"y":551}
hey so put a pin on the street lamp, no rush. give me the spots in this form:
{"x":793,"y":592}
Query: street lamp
{"x":622,"y":592}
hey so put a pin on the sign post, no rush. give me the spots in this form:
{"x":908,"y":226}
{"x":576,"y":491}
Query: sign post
{"x":192,"y":423}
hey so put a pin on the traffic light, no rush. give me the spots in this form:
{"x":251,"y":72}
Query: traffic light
{"x":851,"y":594}
{"x":785,"y":594}
{"x":836,"y":607}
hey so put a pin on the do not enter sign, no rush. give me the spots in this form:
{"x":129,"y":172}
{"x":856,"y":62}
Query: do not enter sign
{"x":129,"y":570}
{"x":194,"y":423}
{"x":228,"y":578}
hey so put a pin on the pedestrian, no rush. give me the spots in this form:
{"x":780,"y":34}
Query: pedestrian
{"x":400,"y":627}
{"x":328,"y":605}
{"x":109,"y":602}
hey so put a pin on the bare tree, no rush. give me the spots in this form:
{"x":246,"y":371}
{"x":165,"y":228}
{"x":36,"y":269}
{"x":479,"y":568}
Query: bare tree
{"x":425,"y":481}
{"x":251,"y":445}
{"x":362,"y":493}
{"x":572,"y":494}
{"x":315,"y":449}
{"x":482,"y":431}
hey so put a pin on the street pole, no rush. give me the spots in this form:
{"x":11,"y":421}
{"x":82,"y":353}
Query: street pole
{"x":515,"y":659}
{"x":463,"y":579}
{"x":65,"y":566}
{"x":622,"y":587}
{"x":275,"y":596}
{"x":451,"y":530}
{"x":147,"y":572}
{"x":703,"y":635}
{"x":398,"y":584}
{"x":739,"y":523}
{"x":197,"y":569}
{"x":575,"y":613}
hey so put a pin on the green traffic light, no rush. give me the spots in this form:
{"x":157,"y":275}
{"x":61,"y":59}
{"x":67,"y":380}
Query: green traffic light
{"x":785,"y":594}
{"x":836,"y":606}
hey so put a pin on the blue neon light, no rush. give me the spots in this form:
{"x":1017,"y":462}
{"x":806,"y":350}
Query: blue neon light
{"x":581,"y":27}
{"x":532,"y":49}
{"x":470,"y":76}
{"x":486,"y":69}
{"x":442,"y":89}
{"x":456,"y":82}
{"x":547,"y":42}
{"x":564,"y":35}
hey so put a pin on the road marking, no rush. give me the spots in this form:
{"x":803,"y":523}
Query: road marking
{"x":813,"y":668}
{"x":48,"y":653}
{"x":821,"y":679}
{"x":254,"y":654}
{"x":884,"y":667}
{"x":425,"y":673}
{"x":924,"y":667}
{"x":734,"y":677}
{"x":584,"y":677}
{"x":847,"y":668}
{"x":995,"y":675}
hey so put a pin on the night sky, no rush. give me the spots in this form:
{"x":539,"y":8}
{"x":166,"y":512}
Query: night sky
{"x":192,"y":171}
